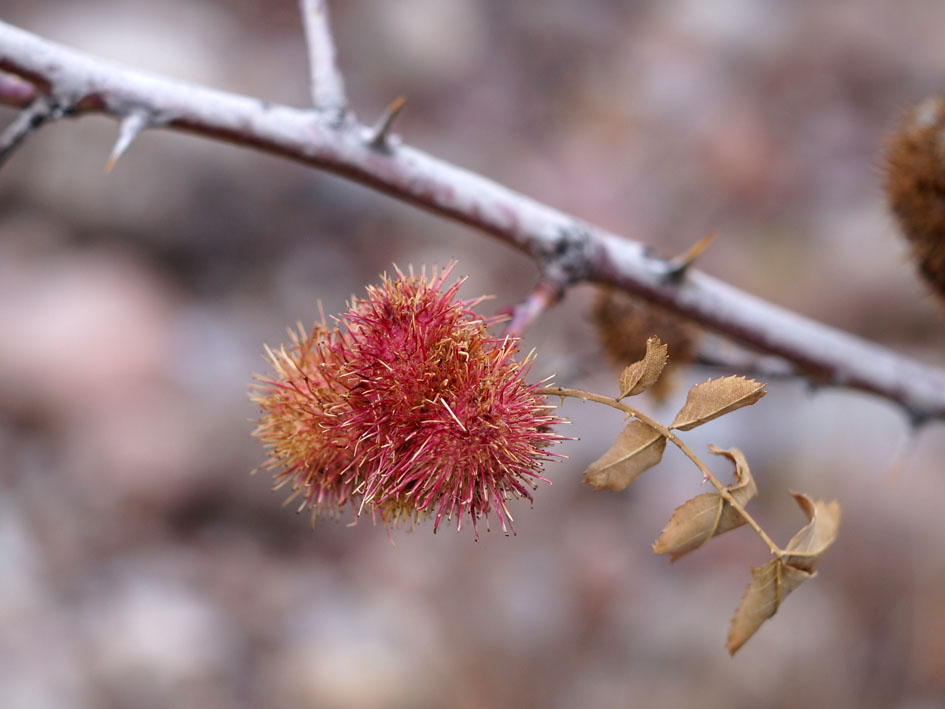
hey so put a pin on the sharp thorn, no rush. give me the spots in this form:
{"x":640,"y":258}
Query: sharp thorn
{"x":678,"y":265}
{"x":381,"y":129}
{"x":130,"y":128}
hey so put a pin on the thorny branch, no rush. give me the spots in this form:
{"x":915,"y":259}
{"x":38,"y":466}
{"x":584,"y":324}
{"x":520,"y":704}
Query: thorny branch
{"x":566,"y":248}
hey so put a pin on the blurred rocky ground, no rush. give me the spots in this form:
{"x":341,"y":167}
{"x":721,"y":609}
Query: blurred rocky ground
{"x":142,"y":566}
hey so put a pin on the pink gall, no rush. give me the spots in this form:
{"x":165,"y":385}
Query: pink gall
{"x":426,"y":414}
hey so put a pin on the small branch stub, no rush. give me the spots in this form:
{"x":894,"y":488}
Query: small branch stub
{"x":327,"y":86}
{"x":28,"y":121}
{"x":545,"y":295}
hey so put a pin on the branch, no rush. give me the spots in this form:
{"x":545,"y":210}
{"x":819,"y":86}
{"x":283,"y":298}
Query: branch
{"x":28,"y":120}
{"x":546,"y":294}
{"x":327,"y":86}
{"x":562,"y":245}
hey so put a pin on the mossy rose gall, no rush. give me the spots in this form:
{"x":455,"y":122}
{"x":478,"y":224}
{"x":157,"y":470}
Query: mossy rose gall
{"x":407,"y":409}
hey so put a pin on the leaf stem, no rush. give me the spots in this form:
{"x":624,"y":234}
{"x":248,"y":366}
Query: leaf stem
{"x":670,"y":436}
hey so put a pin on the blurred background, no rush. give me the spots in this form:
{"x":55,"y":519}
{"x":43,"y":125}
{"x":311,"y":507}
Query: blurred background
{"x":141,"y":565}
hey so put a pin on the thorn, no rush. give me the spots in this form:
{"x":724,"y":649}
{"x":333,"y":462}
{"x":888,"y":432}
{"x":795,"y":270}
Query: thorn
{"x":130,"y":128}
{"x":678,"y":265}
{"x":379,"y":132}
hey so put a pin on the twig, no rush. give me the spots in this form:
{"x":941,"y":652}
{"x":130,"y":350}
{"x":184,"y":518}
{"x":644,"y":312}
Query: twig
{"x":29,"y":120}
{"x":580,"y":251}
{"x":672,"y":437}
{"x":546,"y":294}
{"x":327,"y":86}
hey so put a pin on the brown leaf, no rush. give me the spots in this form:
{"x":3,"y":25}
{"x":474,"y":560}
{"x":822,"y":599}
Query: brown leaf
{"x":705,"y":516}
{"x":814,"y":539}
{"x":769,"y":586}
{"x":771,"y":583}
{"x":715,"y":397}
{"x":643,"y":374}
{"x":638,"y":447}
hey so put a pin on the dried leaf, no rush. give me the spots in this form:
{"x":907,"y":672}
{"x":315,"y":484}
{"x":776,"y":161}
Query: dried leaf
{"x":643,"y":374}
{"x":705,"y":516}
{"x":715,"y":397}
{"x":638,"y":447}
{"x":771,"y":583}
{"x":814,"y":539}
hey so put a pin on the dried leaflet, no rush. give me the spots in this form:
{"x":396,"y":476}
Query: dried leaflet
{"x":641,"y":375}
{"x":637,"y":448}
{"x":705,"y":516}
{"x":773,"y":581}
{"x":715,"y":397}
{"x":812,"y":541}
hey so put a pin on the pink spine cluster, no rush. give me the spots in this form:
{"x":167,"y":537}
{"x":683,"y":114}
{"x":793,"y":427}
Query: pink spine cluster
{"x":407,"y":409}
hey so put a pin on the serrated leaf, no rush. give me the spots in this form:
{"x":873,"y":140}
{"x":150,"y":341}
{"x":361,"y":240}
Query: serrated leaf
{"x":643,"y":374}
{"x":772,"y":582}
{"x":637,"y":448}
{"x":715,"y":397}
{"x":696,"y":521}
